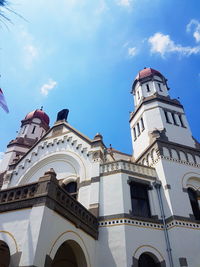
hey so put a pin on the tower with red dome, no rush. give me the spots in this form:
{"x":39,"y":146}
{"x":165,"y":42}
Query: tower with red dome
{"x":33,"y":127}
{"x":156,"y":113}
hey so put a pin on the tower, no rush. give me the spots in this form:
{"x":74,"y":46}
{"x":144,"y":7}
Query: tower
{"x":33,"y":127}
{"x":156,"y":114}
{"x":162,"y":139}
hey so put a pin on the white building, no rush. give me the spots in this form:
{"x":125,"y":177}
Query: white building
{"x":68,"y":201}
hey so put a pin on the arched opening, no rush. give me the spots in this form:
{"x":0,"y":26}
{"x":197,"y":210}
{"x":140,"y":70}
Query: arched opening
{"x":69,"y":254}
{"x":146,"y":260}
{"x":71,"y":188}
{"x":194,"y":203}
{"x":4,"y":254}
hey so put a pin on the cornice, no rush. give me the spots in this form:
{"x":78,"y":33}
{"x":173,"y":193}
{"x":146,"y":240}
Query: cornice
{"x":153,"y":98}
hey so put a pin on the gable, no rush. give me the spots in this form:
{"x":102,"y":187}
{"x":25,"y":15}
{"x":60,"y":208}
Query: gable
{"x":64,"y":149}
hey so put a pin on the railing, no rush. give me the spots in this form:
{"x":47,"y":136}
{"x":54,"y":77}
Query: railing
{"x":18,"y":193}
{"x":51,"y":194}
{"x":123,"y":165}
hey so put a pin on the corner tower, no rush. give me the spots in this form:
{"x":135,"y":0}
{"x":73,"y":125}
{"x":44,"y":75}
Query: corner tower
{"x":33,"y":127}
{"x":156,"y":115}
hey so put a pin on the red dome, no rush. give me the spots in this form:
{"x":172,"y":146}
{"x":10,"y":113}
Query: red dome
{"x":146,"y":72}
{"x":38,"y":113}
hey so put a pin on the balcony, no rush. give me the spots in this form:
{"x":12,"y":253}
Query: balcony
{"x":48,"y":192}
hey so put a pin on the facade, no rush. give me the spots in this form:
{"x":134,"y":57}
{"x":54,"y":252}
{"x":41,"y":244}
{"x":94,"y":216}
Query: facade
{"x":69,"y":201}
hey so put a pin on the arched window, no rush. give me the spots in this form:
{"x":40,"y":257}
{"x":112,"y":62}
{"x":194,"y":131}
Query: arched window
{"x":145,"y":260}
{"x":71,"y":188}
{"x":194,"y":203}
{"x":4,"y":254}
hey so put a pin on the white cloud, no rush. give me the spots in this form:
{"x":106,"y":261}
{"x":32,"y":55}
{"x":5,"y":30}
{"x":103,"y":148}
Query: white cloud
{"x":30,"y":49}
{"x":31,"y":53}
{"x":162,"y":44}
{"x":132,"y":51}
{"x":101,"y":8}
{"x":195,"y":24}
{"x":45,"y":88}
{"x":125,"y":3}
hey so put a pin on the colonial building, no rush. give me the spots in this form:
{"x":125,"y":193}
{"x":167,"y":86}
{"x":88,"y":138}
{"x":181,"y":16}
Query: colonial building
{"x":69,"y":201}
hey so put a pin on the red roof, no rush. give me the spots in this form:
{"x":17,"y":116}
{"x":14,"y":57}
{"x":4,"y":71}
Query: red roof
{"x":38,"y":113}
{"x":146,"y":72}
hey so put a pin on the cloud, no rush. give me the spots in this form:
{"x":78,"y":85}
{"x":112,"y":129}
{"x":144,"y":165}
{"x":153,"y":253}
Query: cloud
{"x":101,"y":8}
{"x":30,"y":49}
{"x":162,"y":44}
{"x":195,"y":24}
{"x":45,"y":88}
{"x":132,"y":51}
{"x":125,"y":3}
{"x":31,"y":53}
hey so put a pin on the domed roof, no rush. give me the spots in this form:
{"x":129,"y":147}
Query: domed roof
{"x":146,"y":72}
{"x":38,"y":113}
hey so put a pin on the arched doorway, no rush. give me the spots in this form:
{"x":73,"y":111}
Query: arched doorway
{"x":146,"y":260}
{"x":69,"y":254}
{"x":4,"y":254}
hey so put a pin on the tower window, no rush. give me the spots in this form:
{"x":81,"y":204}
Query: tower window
{"x":167,"y":117}
{"x":24,"y":130}
{"x":159,"y":86}
{"x":148,"y":89}
{"x":138,"y":93}
{"x":174,"y":118}
{"x":140,"y":200}
{"x":134,"y":133}
{"x":194,"y":203}
{"x":71,"y":188}
{"x":181,"y":121}
{"x":138,"y":128}
{"x":33,"y":131}
{"x":142,"y":124}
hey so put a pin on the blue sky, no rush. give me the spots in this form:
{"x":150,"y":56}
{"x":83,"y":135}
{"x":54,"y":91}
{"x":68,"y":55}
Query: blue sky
{"x":84,"y":55}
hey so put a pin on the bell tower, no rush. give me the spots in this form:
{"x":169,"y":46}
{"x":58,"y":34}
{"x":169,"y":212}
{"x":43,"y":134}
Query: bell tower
{"x":156,"y":115}
{"x":33,"y":127}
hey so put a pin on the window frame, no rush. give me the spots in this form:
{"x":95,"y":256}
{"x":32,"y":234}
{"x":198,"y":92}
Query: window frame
{"x":145,"y":185}
{"x":167,"y":117}
{"x":33,"y":130}
{"x":148,"y":88}
{"x":194,"y":202}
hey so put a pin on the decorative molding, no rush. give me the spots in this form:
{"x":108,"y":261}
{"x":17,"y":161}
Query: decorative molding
{"x":158,"y":146}
{"x":154,"y":223}
{"x":140,"y":181}
{"x":159,"y":98}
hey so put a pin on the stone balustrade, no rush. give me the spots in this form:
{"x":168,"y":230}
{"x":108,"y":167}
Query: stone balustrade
{"x":122,"y":165}
{"x":47,"y":191}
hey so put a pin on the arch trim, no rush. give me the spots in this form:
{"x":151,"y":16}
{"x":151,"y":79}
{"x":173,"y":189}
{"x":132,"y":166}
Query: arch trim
{"x":80,"y":238}
{"x":187,"y":176}
{"x":12,"y":237}
{"x":148,"y":248}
